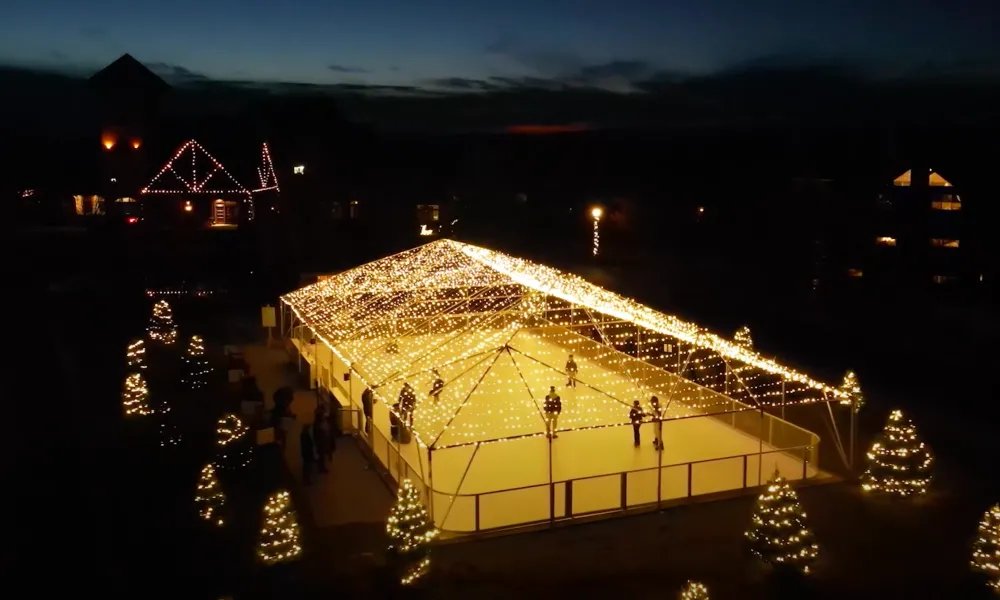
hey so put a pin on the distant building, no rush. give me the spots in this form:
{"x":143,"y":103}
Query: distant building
{"x":918,"y":233}
{"x":129,"y":98}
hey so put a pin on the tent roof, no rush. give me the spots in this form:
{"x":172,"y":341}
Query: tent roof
{"x":472,"y":315}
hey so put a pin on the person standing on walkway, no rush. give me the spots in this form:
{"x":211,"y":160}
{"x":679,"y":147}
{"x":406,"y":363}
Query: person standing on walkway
{"x":571,"y":370}
{"x":635,"y":415}
{"x":322,"y":438}
{"x":367,"y":400}
{"x":308,"y":450}
{"x":551,"y":410}
{"x":654,"y":402}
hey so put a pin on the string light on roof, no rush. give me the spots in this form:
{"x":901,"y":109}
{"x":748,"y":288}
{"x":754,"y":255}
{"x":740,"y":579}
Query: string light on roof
{"x":265,"y":172}
{"x":192,"y":181}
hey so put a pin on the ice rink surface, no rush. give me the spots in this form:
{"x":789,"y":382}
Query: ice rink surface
{"x":497,"y":394}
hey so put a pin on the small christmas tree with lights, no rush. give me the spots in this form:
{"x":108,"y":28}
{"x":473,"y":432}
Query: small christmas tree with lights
{"x":209,"y":497}
{"x":743,"y":338}
{"x":279,"y":537}
{"x":410,"y":532}
{"x":779,"y":535}
{"x":852,"y":391}
{"x":986,"y":548}
{"x":161,"y":324}
{"x":694,"y":591}
{"x":135,"y":355}
{"x":135,"y":396}
{"x":196,"y":367}
{"x":169,"y":432}
{"x":234,"y":445}
{"x":899,"y":463}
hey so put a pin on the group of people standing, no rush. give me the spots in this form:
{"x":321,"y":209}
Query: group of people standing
{"x":402,"y":410}
{"x":317,"y":442}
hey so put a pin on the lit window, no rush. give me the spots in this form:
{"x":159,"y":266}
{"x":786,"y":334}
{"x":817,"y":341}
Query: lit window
{"x":939,"y":279}
{"x":136,"y":144}
{"x":947,"y":204}
{"x":424,"y":230}
{"x":855,"y":273}
{"x":944,"y":243}
{"x":885,"y":241}
{"x":299,"y":170}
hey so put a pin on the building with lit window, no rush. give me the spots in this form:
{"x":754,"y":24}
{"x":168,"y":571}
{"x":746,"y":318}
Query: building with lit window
{"x":917,"y":234}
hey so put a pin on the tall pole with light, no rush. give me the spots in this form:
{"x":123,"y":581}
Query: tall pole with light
{"x":596,"y":213}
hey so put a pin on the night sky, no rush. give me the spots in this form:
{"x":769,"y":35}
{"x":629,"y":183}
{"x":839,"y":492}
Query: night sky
{"x":605,"y":44}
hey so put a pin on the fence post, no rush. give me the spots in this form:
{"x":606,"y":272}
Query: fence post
{"x":624,"y":476}
{"x":569,"y":499}
{"x":689,"y":478}
{"x":745,"y":471}
{"x":805,"y":464}
{"x":477,"y":512}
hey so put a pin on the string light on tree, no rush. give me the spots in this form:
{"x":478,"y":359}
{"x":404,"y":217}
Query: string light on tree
{"x":410,"y":532}
{"x":135,"y":355}
{"x":778,"y":534}
{"x":169,"y":434}
{"x":209,"y":497}
{"x":161,"y":324}
{"x":279,"y":537}
{"x":852,"y":392}
{"x":596,"y":213}
{"x":899,"y":463}
{"x":694,"y":591}
{"x":986,"y":548}
{"x":233,"y":440}
{"x":135,"y":396}
{"x":196,"y":364}
{"x":743,"y":338}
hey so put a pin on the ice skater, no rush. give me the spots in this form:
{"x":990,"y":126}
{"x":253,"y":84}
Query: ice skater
{"x":407,"y":403}
{"x":654,"y":402}
{"x":551,"y":409}
{"x":437,"y":386}
{"x":571,"y":370}
{"x":635,"y":415}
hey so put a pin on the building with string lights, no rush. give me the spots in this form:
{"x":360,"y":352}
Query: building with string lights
{"x":460,"y":346}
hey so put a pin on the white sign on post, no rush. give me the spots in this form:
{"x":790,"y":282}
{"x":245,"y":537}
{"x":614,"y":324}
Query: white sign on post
{"x":267,"y":317}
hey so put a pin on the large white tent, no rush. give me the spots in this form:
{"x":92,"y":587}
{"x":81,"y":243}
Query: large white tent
{"x":497,"y":331}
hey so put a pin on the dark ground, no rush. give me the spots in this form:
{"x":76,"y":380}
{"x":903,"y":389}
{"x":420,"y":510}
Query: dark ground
{"x":108,"y":513}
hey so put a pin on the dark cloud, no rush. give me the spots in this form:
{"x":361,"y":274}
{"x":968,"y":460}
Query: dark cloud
{"x":343,"y":69}
{"x":175,"y":73}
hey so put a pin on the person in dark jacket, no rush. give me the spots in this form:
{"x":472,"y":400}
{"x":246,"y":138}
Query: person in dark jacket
{"x":571,"y":371}
{"x":551,"y":410}
{"x":635,"y":415}
{"x":308,"y":450}
{"x":437,"y":386}
{"x":657,"y":411}
{"x":407,"y":403}
{"x":367,"y":401}
{"x":322,"y":438}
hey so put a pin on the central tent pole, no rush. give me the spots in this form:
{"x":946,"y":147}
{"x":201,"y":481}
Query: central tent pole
{"x":760,"y":452}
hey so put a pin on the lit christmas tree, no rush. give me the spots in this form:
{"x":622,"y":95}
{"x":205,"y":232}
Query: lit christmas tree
{"x":899,"y":463}
{"x":852,"y":389}
{"x":410,"y":532}
{"x":279,"y":537}
{"x":135,"y":356}
{"x":986,"y":548}
{"x":170,"y":434}
{"x":209,"y":497}
{"x":233,"y":439}
{"x":135,"y":396}
{"x":161,"y":325}
{"x":743,"y":338}
{"x":778,"y":535}
{"x":694,"y":591}
{"x":196,"y":365}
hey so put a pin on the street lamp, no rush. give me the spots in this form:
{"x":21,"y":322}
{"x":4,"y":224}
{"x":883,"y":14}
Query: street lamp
{"x":596,"y":213}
